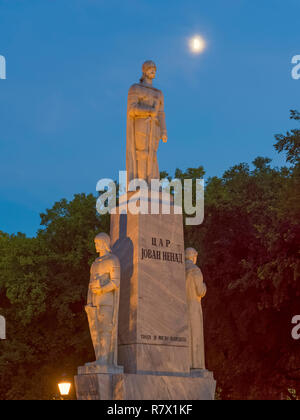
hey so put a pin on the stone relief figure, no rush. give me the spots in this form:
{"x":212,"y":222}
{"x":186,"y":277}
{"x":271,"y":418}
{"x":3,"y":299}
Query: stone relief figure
{"x":196,"y":290}
{"x":103,"y":302}
{"x":145,"y":126}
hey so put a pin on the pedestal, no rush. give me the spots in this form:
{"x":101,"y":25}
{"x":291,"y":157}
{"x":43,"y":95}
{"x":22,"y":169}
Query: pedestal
{"x":145,"y":387}
{"x":153,"y":339}
{"x":153,"y":325}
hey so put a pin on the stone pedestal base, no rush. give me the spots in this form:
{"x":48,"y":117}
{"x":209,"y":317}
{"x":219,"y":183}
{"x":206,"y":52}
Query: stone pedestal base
{"x":153,"y":320}
{"x":199,"y":385}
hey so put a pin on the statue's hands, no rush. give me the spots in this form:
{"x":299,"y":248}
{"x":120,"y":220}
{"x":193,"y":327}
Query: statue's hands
{"x":164,"y":138}
{"x":96,"y":287}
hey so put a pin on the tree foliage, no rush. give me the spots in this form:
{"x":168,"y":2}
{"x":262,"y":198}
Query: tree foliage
{"x":290,"y":142}
{"x":43,"y":288}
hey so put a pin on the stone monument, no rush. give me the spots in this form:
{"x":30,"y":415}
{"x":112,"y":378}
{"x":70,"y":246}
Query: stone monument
{"x":159,"y":351}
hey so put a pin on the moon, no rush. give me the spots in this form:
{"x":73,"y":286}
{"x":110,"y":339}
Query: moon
{"x":197,"y":44}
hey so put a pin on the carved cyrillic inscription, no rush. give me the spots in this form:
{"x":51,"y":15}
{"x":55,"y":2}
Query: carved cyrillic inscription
{"x":156,"y":254}
{"x":163,"y":338}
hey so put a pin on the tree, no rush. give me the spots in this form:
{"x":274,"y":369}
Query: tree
{"x":290,"y":143}
{"x":43,"y":284}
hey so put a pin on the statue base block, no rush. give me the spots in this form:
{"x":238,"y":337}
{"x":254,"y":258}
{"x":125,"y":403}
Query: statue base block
{"x":199,"y":385}
{"x":95,"y":367}
{"x":153,"y":319}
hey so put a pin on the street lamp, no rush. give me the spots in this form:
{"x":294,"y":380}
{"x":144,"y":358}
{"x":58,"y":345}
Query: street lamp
{"x":64,"y":387}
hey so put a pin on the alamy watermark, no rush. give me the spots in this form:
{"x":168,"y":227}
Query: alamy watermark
{"x":2,"y":328}
{"x":2,"y":67}
{"x":296,"y":68}
{"x":296,"y":329}
{"x":160,"y":197}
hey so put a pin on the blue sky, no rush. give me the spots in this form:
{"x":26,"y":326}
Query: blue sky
{"x":70,"y":64}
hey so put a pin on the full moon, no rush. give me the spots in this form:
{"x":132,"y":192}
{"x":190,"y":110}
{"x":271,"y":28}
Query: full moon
{"x":197,"y":44}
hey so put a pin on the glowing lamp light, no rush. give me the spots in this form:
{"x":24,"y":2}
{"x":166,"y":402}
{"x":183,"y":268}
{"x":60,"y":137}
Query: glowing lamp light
{"x":197,"y":44}
{"x":64,"y":388}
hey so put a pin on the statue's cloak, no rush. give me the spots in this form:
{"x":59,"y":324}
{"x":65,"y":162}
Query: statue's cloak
{"x":131,"y":164}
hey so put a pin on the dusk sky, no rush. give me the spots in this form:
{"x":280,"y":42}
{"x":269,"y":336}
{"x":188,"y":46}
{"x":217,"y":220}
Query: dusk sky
{"x":70,"y":64}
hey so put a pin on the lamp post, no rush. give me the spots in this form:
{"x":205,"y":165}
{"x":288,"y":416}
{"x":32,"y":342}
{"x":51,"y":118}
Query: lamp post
{"x":64,"y":387}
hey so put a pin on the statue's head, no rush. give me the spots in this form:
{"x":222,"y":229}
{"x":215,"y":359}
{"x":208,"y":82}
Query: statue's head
{"x":149,"y":70}
{"x":191,"y":254}
{"x":102,"y":243}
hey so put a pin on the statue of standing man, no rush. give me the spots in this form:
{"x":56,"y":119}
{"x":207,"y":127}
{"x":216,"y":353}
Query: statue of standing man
{"x":146,"y":125}
{"x":196,"y":290}
{"x":103,"y":303}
